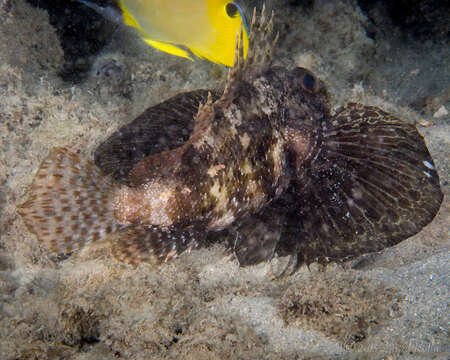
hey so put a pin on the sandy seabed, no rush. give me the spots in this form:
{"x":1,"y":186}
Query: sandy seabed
{"x":392,"y":304}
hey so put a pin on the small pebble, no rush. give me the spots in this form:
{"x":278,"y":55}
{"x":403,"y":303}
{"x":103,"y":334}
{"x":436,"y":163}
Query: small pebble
{"x":441,"y":112}
{"x":425,"y":123}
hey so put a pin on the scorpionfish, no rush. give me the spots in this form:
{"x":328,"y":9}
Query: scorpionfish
{"x":264,"y":162}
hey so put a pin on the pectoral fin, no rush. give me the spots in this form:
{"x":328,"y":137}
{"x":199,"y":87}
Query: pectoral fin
{"x":372,"y":184}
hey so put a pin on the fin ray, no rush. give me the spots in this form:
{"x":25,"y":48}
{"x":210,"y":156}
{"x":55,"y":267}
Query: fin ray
{"x":378,"y":165}
{"x":261,"y":48}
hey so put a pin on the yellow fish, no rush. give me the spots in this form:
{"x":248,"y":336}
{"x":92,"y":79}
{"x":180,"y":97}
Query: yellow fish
{"x":209,"y":29}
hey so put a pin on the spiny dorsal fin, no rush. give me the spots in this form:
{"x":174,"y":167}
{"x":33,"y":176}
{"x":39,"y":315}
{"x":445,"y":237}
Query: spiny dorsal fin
{"x":260,"y":52}
{"x":262,"y":44}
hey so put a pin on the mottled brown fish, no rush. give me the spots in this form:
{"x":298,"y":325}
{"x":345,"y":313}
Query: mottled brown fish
{"x":264,"y":161}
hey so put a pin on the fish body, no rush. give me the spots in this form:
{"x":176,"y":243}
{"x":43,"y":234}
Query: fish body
{"x":207,"y":28}
{"x":265,"y":162}
{"x":239,"y":163}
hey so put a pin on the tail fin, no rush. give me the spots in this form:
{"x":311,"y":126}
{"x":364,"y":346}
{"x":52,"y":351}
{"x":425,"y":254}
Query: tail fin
{"x":373,"y":184}
{"x":70,"y":203}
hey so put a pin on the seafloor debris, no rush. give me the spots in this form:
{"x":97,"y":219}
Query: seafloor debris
{"x":343,"y":307}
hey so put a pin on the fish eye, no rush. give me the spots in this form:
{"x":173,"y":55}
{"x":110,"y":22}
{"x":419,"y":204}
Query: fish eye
{"x":232,"y":9}
{"x":309,"y":83}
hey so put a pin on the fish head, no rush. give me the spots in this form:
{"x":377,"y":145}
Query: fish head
{"x":308,"y":100}
{"x":306,"y":110}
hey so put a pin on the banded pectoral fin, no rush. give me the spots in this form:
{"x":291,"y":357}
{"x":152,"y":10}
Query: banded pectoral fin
{"x":153,"y":244}
{"x":372,"y":184}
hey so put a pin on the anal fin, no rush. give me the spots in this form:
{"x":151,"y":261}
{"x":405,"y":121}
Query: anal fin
{"x":152,"y":244}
